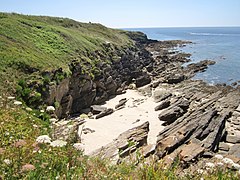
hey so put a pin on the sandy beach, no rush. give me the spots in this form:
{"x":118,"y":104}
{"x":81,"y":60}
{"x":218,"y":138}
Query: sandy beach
{"x":138,"y":109}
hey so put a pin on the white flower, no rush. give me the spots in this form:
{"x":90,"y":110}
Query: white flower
{"x":28,"y":109}
{"x":220,"y":164}
{"x":11,"y":97}
{"x":53,"y":120}
{"x":50,"y":108}
{"x":44,"y":139}
{"x":218,"y":156}
{"x":35,"y":126}
{"x":7,"y":161}
{"x":58,"y":143}
{"x":78,"y":146}
{"x":228,"y":161}
{"x":210,"y":165}
{"x":17,"y":103}
{"x":42,"y":111}
{"x":236,"y":166}
{"x":199,"y":171}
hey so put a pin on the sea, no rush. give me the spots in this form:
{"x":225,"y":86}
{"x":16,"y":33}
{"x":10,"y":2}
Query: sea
{"x":221,"y":44}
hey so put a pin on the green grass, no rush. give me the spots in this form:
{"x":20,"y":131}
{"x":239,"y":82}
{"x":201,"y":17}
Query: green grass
{"x":39,"y":43}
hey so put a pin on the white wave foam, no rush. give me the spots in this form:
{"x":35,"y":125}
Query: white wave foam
{"x":212,"y":34}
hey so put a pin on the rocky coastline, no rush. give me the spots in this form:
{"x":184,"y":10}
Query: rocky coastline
{"x":199,"y":120}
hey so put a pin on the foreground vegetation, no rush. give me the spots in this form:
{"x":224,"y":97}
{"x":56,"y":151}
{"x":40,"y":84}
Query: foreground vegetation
{"x":21,"y":157}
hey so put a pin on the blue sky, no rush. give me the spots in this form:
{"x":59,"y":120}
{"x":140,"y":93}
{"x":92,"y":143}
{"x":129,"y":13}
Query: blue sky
{"x":134,"y":13}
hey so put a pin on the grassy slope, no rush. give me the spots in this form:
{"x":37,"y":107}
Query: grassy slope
{"x":47,"y":43}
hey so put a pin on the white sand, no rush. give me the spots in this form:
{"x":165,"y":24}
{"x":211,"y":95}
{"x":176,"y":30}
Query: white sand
{"x":110,"y":127}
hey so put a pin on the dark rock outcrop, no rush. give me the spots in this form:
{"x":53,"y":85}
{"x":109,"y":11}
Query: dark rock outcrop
{"x":125,"y":144}
{"x":121,"y":103}
{"x":96,"y":109}
{"x":162,"y":105}
{"x":196,"y":121}
{"x":104,"y":113}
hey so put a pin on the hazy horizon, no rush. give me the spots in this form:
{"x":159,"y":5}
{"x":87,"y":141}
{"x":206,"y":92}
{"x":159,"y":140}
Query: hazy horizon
{"x":135,"y":13}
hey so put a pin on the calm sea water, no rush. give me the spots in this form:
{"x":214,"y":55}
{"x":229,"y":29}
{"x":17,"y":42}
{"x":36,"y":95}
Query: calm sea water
{"x":221,"y":44}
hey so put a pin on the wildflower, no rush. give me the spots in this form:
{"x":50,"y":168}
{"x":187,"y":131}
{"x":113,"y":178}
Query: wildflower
{"x":220,"y":164}
{"x":218,"y":156}
{"x":35,"y":126}
{"x":228,"y":161}
{"x":53,"y":120}
{"x":50,"y":108}
{"x":199,"y":171}
{"x":58,"y":143}
{"x":210,"y":165}
{"x":11,"y":98}
{"x":78,"y":146}
{"x":36,"y":149}
{"x":28,"y":167}
{"x":7,"y":161}
{"x":236,"y":166}
{"x":28,"y":109}
{"x":17,"y":103}
{"x":44,"y":139}
{"x":19,"y":143}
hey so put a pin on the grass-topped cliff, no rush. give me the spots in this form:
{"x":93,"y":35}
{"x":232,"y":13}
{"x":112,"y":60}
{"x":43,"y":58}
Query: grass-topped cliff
{"x":33,"y":44}
{"x":37,"y":53}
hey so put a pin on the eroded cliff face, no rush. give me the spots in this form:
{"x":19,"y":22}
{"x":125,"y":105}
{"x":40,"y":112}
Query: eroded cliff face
{"x":80,"y":90}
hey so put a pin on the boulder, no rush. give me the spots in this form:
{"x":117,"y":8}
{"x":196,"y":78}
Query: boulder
{"x":175,"y":78}
{"x":96,"y":109}
{"x":190,"y":152}
{"x":125,"y":144}
{"x":104,"y":113}
{"x":160,"y":95}
{"x":143,"y":80}
{"x":170,"y":115}
{"x":121,"y":103}
{"x":162,"y":105}
{"x":66,"y":130}
{"x":223,"y":146}
{"x":233,"y":139}
{"x":235,"y":152}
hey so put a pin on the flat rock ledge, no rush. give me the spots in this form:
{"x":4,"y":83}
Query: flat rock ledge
{"x":125,"y":144}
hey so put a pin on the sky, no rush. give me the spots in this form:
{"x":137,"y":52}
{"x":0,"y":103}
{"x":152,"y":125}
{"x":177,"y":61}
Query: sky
{"x":134,"y":13}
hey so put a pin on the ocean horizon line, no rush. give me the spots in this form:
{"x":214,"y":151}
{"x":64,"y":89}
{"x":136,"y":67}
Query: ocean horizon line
{"x":166,"y":27}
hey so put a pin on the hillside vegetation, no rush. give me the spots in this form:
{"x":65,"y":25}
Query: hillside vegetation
{"x":33,"y":44}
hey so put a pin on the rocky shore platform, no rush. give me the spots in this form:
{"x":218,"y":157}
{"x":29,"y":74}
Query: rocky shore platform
{"x":173,"y":119}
